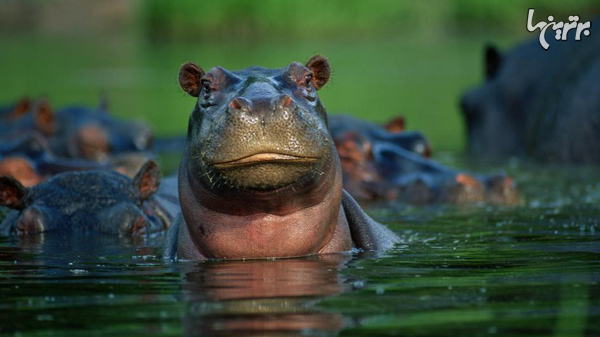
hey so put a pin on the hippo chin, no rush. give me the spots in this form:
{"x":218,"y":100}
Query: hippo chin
{"x":260,"y":176}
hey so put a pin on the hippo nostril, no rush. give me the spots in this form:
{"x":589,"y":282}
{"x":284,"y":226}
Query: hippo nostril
{"x":240,"y":103}
{"x":235,"y":104}
{"x":286,"y":101}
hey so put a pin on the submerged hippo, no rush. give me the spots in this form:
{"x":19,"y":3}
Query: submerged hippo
{"x":542,"y":104}
{"x":94,"y":134}
{"x":94,"y":201}
{"x":30,"y":160}
{"x":80,"y":132}
{"x":381,"y":165}
{"x":260,"y":176}
{"x":393,"y":132}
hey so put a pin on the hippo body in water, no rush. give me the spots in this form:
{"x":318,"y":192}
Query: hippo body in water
{"x":379,"y":163}
{"x":536,"y":103}
{"x":30,"y":160}
{"x":260,"y":176}
{"x":413,"y":141}
{"x":77,"y":131}
{"x":93,"y":134}
{"x":91,"y":202}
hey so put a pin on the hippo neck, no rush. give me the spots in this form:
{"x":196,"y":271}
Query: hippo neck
{"x":288,"y":224}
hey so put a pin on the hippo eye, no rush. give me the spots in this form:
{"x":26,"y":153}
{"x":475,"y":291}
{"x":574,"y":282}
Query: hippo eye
{"x":206,"y":85}
{"x":307,"y":79}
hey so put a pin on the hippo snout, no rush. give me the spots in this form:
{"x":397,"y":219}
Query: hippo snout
{"x":262,"y":109}
{"x":262,"y":120}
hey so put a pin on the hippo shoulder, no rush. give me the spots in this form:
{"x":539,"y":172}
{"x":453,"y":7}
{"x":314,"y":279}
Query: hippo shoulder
{"x":366,"y":233}
{"x":170,"y":243}
{"x":178,"y":243}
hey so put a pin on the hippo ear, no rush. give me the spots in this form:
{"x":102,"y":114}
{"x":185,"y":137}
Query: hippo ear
{"x":12,"y":193}
{"x":396,"y":125}
{"x":189,"y":78}
{"x":321,"y":69}
{"x":44,"y":118}
{"x":21,"y":108}
{"x":354,"y":146}
{"x":493,"y":60}
{"x":147,"y":180}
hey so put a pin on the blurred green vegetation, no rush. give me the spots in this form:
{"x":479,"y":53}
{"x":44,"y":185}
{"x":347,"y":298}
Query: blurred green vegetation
{"x":191,"y":20}
{"x":412,"y":58}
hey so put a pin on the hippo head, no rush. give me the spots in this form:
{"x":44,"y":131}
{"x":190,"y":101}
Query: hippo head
{"x":258,"y":129}
{"x":362,"y":178}
{"x":93,"y":201}
{"x":495,"y":113}
{"x":92,"y":133}
{"x":258,"y":146}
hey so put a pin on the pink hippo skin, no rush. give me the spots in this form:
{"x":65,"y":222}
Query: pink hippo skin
{"x":260,"y":176}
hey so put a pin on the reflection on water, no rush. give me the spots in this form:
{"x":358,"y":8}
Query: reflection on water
{"x":478,"y":270}
{"x":86,"y":281}
{"x":277,"y":296}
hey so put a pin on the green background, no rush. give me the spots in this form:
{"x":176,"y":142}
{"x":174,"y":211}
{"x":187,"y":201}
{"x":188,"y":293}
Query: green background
{"x":411,"y":58}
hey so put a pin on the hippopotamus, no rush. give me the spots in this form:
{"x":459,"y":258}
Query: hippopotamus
{"x":92,"y":133}
{"x":30,"y":160}
{"x":35,"y":118}
{"x":536,"y":103}
{"x":259,"y":175}
{"x":97,"y":201}
{"x":393,"y":132}
{"x":381,"y":165}
{"x":81,"y":132}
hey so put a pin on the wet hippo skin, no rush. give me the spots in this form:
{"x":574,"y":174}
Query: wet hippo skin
{"x":260,"y":176}
{"x":90,"y":202}
{"x":30,"y":160}
{"x":388,"y":163}
{"x":538,"y":104}
{"x":75,"y":131}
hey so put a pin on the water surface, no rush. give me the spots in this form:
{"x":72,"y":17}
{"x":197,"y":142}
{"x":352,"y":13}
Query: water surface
{"x":533,"y":270}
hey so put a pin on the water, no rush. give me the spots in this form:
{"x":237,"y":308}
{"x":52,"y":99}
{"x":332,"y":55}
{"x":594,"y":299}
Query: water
{"x":528,"y":270}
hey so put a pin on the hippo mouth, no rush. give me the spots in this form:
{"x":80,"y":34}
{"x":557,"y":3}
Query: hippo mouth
{"x":267,"y":170}
{"x":266,"y":158}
